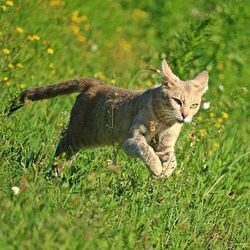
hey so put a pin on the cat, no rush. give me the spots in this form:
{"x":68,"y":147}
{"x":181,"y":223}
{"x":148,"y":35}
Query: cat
{"x":145,"y":123}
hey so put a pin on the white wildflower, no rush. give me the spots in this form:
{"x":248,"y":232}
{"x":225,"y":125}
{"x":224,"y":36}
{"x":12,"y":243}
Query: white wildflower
{"x":206,"y":105}
{"x":221,"y":87}
{"x":94,"y":47}
{"x":15,"y":190}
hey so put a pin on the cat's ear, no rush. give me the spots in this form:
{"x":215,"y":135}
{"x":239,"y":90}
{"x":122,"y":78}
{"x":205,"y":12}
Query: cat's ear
{"x":169,"y":78}
{"x":202,"y":80}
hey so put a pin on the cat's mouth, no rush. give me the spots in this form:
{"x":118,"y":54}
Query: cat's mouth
{"x":183,"y":120}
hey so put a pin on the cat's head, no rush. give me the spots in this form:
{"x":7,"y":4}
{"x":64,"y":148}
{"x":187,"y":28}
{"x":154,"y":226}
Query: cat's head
{"x":183,"y":98}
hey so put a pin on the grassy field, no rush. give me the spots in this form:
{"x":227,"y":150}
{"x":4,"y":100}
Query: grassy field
{"x":203,"y":205}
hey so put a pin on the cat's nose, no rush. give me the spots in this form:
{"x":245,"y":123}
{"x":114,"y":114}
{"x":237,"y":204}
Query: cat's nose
{"x":184,"y":115}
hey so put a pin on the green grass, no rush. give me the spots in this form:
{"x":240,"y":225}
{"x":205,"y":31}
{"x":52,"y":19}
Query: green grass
{"x":203,"y":205}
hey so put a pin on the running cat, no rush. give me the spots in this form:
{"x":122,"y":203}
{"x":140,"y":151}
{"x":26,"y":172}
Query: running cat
{"x":146,"y":123}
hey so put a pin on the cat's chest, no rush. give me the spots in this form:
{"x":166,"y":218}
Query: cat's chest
{"x":153,"y":129}
{"x":157,"y":132}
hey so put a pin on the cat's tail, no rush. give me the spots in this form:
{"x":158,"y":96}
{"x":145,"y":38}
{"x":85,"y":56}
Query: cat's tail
{"x":63,"y":88}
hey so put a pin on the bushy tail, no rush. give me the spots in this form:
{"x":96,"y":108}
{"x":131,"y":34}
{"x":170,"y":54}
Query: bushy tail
{"x":63,"y":88}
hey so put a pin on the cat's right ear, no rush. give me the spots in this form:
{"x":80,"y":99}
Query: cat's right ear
{"x":169,"y":78}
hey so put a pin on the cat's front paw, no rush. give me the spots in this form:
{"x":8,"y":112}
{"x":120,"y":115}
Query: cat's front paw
{"x":156,"y":168}
{"x":168,"y":167}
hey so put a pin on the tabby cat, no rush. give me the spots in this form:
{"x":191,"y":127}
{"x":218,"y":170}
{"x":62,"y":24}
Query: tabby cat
{"x":146,"y":123}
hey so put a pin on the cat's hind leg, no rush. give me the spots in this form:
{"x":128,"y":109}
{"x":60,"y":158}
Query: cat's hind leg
{"x":65,"y":151}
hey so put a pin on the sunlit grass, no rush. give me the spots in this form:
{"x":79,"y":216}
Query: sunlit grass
{"x":107,"y":200}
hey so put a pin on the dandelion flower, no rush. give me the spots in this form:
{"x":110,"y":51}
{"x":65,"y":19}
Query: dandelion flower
{"x":6,"y":51}
{"x":219,"y":120}
{"x":100,"y":75}
{"x":5,"y":79}
{"x":33,"y":38}
{"x":218,"y":125}
{"x":10,"y":3}
{"x":139,"y":14}
{"x":56,"y":3}
{"x":11,"y":66}
{"x":203,"y":132}
{"x":21,"y":85}
{"x":212,"y":115}
{"x":19,"y":65}
{"x":75,"y":29}
{"x":19,"y":30}
{"x":51,"y":66}
{"x":81,"y":38}
{"x":3,"y":7}
{"x":216,"y":145}
{"x":199,"y":118}
{"x":50,"y":51}
{"x":225,"y":115}
{"x":15,"y":190}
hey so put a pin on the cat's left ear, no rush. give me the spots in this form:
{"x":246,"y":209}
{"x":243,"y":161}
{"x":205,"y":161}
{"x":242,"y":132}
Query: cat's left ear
{"x":169,"y":78}
{"x":202,"y":80}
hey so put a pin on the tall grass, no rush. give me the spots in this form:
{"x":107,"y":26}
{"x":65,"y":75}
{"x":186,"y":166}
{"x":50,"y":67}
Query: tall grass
{"x":204,"y":205}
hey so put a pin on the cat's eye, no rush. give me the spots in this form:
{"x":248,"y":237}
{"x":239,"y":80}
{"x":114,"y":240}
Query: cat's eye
{"x":177,"y":101}
{"x":194,"y":106}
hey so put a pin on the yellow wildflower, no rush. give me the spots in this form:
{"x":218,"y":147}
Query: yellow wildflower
{"x":10,"y":3}
{"x":53,"y":72}
{"x":220,"y":120}
{"x":5,"y":78}
{"x":19,"y":65}
{"x":51,"y":65}
{"x":212,"y":115}
{"x":75,"y":29}
{"x":56,"y":3}
{"x":221,"y":77}
{"x":220,"y":65}
{"x":203,"y":132}
{"x":209,"y":153}
{"x":218,"y":125}
{"x":149,"y":83}
{"x":113,"y":81}
{"x":33,"y":38}
{"x":7,"y":83}
{"x":11,"y":66}
{"x":199,"y":118}
{"x":76,"y":18}
{"x":21,"y":85}
{"x":50,"y":51}
{"x":216,"y":145}
{"x":81,"y":38}
{"x":6,"y":51}
{"x":19,"y":30}
{"x":125,"y":45}
{"x":225,"y":115}
{"x":71,"y":72}
{"x":139,"y":14}
{"x":100,"y":75}
{"x":3,"y":7}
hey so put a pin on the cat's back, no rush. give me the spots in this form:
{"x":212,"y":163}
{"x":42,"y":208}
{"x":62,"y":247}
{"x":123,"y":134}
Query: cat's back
{"x":104,"y":113}
{"x":102,"y":89}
